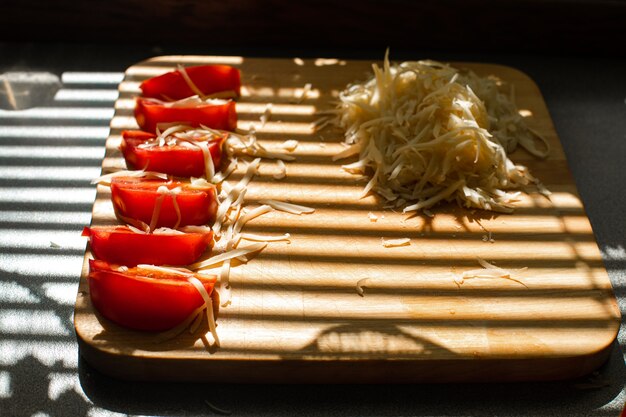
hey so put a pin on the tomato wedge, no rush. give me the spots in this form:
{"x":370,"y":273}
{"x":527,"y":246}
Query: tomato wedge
{"x":177,"y":156}
{"x":217,"y":114}
{"x":208,"y":79}
{"x":121,"y":245}
{"x":163,"y":203}
{"x":143,"y":298}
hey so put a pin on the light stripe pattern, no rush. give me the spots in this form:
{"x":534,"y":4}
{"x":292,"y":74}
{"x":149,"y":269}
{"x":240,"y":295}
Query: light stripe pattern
{"x":48,"y":156}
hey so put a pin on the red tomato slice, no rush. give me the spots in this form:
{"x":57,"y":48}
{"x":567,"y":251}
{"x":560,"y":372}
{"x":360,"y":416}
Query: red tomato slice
{"x":135,"y":199}
{"x":149,"y":112}
{"x":209,"y":79}
{"x":144,"y":299}
{"x":120,"y":245}
{"x":176,"y":159}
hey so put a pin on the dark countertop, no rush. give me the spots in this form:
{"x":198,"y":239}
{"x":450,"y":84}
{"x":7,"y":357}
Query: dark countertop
{"x":48,"y":157}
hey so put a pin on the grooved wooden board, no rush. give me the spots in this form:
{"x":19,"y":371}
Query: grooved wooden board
{"x":296,"y":315}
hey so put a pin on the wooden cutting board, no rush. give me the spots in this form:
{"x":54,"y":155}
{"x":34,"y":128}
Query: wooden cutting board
{"x":296,"y":315}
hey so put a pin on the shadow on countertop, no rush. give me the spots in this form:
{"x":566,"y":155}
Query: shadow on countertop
{"x":584,"y":396}
{"x":488,"y":25}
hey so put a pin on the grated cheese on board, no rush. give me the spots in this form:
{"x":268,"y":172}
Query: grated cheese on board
{"x":489,"y":271}
{"x":392,"y":243}
{"x":428,"y":133}
{"x":288,"y":207}
{"x":361,"y":284}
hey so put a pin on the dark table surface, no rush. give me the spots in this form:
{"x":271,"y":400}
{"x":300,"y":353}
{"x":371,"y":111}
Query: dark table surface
{"x":50,"y":152}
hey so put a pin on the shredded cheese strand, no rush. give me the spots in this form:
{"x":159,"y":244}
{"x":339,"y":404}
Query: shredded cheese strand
{"x":287,"y":207}
{"x":392,"y":243}
{"x":209,"y":307}
{"x":235,"y":253}
{"x":106,"y":178}
{"x":190,"y":322}
{"x":249,"y":216}
{"x":233,"y":195}
{"x":225,"y":288}
{"x":237,"y":144}
{"x":361,"y":284}
{"x":265,"y":117}
{"x":156,"y":212}
{"x":209,"y":167}
{"x":489,"y":271}
{"x":168,"y":270}
{"x":163,"y":192}
{"x":282,"y":170}
{"x":222,"y":175}
{"x":265,"y":238}
{"x":190,"y":83}
{"x":162,"y":137}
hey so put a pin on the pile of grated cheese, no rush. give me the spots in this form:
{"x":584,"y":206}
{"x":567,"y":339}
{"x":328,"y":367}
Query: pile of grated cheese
{"x":428,"y":133}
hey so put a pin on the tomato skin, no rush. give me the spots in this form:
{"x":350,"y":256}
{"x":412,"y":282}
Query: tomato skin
{"x":150,"y":112}
{"x":135,"y":198}
{"x":179,"y":161}
{"x":143,"y":301}
{"x":120,"y":245}
{"x":209,"y":79}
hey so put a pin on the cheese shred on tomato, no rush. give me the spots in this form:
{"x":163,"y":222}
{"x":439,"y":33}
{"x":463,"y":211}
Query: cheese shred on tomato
{"x":163,"y":191}
{"x":235,"y":253}
{"x":183,"y":72}
{"x":106,"y":178}
{"x":209,"y":307}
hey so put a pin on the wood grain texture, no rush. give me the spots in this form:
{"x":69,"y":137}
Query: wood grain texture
{"x":296,"y":315}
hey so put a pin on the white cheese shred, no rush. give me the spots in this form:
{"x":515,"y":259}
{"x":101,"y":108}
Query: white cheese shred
{"x":347,"y":152}
{"x":191,"y":322}
{"x":195,"y":324}
{"x":106,"y":178}
{"x":226,"y":291}
{"x":265,"y":238}
{"x":361,"y":284}
{"x":165,"y":269}
{"x":156,"y":212}
{"x":393,"y":243}
{"x":208,"y":303}
{"x":190,"y":83}
{"x":235,"y":253}
{"x":240,"y":144}
{"x":288,"y":207}
{"x":254,"y":213}
{"x":222,"y":175}
{"x":282,"y":170}
{"x":304,"y":93}
{"x":489,"y":271}
{"x":163,"y":192}
{"x":209,"y":167}
{"x":137,"y":230}
{"x":234,"y":195}
{"x":265,"y":117}
{"x":290,"y":145}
